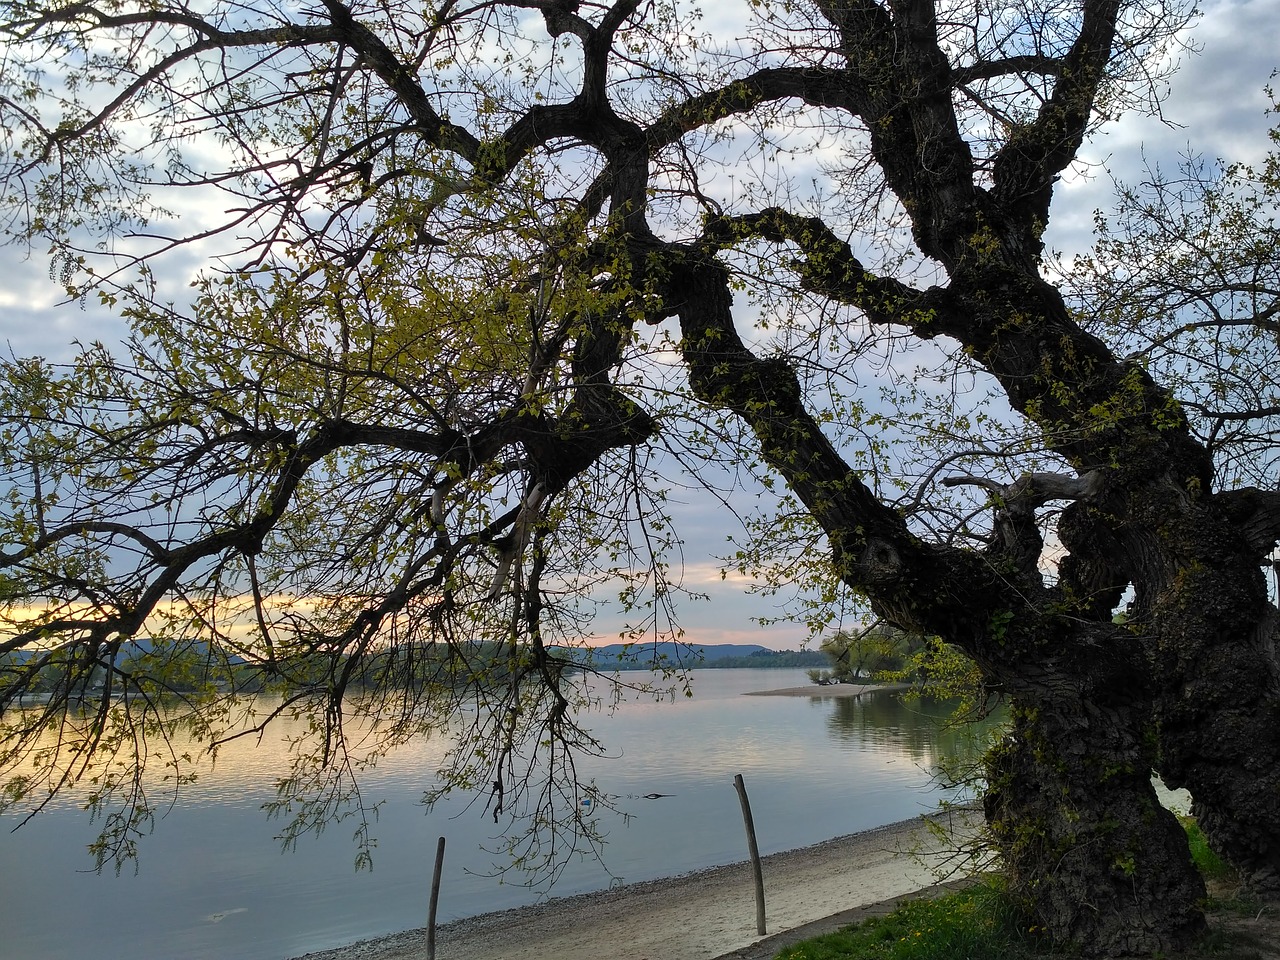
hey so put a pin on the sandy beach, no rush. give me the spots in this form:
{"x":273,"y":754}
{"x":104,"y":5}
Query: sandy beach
{"x":698,"y":916}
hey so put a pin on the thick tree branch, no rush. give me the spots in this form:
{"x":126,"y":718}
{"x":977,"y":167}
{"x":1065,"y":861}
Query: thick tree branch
{"x":1035,"y":489}
{"x":157,"y":551}
{"x":873,"y":549}
{"x":816,"y":86}
{"x":1257,"y":513}
{"x":1018,"y":540}
{"x":904,"y":96}
{"x":1007,"y":67}
{"x":829,"y":267}
{"x":401,"y":79}
{"x":1028,"y":164}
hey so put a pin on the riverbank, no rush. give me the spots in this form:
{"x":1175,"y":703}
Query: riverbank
{"x":702,"y":915}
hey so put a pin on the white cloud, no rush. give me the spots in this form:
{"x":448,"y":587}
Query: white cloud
{"x":1217,"y":107}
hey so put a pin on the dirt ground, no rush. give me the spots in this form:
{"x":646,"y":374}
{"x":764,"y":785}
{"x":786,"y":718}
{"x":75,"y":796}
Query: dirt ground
{"x":1240,"y":930}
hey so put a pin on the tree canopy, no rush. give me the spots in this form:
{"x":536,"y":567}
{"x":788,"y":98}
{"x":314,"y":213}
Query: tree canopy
{"x":479,"y":280}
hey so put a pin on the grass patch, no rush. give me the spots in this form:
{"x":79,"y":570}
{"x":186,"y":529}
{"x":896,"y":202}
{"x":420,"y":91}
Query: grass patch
{"x":1210,"y":865}
{"x":1239,"y":929}
{"x":975,"y":922}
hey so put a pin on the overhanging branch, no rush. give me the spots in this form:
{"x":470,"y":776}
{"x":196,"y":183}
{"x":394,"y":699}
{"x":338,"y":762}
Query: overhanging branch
{"x":830,"y":267}
{"x":1034,"y":489}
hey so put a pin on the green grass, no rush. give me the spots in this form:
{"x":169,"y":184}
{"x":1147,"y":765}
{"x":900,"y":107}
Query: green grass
{"x":1210,"y":865}
{"x":974,"y":922}
{"x":981,"y":922}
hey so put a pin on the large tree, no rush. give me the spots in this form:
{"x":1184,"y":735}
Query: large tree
{"x":478,"y":274}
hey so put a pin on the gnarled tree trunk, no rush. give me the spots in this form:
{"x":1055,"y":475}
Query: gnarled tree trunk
{"x":1213,"y":647}
{"x":1073,"y":812}
{"x":1072,"y":806}
{"x":1207,"y":628}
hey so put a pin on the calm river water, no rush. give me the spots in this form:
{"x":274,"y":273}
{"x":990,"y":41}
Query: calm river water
{"x":213,"y":884}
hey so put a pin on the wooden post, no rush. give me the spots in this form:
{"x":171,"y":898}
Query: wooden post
{"x":755,"y":852}
{"x":435,"y":898}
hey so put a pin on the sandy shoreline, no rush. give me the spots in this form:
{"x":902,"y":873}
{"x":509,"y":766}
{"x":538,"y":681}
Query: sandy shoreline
{"x":698,"y":916}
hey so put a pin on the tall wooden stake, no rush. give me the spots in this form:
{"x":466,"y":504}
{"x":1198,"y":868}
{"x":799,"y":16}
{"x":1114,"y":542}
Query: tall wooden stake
{"x":755,"y":852}
{"x":435,"y":898}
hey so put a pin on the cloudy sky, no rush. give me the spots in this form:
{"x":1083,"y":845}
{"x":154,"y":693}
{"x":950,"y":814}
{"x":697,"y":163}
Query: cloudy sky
{"x":1216,"y":106}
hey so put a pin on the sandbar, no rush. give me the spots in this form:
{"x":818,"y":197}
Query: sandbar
{"x":831,"y":690}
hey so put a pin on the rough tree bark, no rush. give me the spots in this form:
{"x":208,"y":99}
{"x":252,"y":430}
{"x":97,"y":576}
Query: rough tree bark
{"x":1202,"y":602}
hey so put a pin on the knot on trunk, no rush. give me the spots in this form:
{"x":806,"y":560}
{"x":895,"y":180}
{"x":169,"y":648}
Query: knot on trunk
{"x":880,"y":562}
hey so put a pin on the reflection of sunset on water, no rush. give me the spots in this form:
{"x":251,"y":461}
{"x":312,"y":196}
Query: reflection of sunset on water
{"x":247,"y":765}
{"x":715,"y":733}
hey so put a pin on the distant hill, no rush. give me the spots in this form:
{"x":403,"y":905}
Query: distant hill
{"x":185,"y":665}
{"x":136,"y":647}
{"x":666,"y":653}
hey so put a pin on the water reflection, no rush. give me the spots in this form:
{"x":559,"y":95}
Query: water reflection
{"x":244,"y":769}
{"x":213,"y":885}
{"x":929,"y":731}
